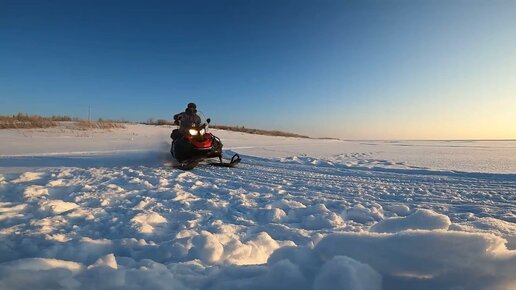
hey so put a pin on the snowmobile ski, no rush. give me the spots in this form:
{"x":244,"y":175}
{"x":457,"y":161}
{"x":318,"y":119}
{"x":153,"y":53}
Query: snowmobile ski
{"x":232,"y":163}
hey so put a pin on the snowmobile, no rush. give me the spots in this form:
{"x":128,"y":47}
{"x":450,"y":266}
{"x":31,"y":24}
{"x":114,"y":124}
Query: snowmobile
{"x":196,"y":145}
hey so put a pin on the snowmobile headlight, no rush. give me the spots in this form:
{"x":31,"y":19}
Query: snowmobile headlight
{"x":193,"y":132}
{"x":202,"y":131}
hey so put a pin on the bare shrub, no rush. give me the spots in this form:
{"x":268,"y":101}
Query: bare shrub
{"x":24,"y":121}
{"x":85,"y":125}
{"x":61,"y":118}
{"x":162,"y":122}
{"x":159,"y":122}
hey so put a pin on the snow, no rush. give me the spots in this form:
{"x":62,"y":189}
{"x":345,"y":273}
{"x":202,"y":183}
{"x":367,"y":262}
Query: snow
{"x":39,"y":264}
{"x":106,"y":261}
{"x":342,"y":272}
{"x":34,"y":191}
{"x":471,"y":260}
{"x":422,"y":219}
{"x":105,"y":210}
{"x":146,"y":222}
{"x":57,"y":206}
{"x":28,"y":176}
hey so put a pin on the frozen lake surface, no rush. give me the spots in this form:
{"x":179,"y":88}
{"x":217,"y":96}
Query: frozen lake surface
{"x":105,"y":210}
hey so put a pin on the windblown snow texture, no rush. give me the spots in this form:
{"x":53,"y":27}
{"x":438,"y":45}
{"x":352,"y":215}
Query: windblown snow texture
{"x":294,"y":222}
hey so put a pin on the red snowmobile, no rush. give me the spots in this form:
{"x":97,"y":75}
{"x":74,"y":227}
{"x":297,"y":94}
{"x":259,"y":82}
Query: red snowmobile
{"x":196,"y":145}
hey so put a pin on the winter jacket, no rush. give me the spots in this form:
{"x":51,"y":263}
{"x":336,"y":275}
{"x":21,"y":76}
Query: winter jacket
{"x":186,"y":120}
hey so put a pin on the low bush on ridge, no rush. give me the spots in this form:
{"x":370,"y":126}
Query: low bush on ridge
{"x":242,"y":129}
{"x":85,"y":125}
{"x":25,"y":121}
{"x":158,"y":122}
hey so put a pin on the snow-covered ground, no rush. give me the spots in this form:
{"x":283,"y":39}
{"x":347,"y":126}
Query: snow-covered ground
{"x":105,"y":210}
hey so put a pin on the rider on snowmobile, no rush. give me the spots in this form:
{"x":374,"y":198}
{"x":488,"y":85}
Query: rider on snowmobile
{"x":192,"y":144}
{"x":186,"y":119}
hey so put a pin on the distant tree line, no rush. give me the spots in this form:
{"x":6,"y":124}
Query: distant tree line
{"x":26,"y":121}
{"x":243,"y":129}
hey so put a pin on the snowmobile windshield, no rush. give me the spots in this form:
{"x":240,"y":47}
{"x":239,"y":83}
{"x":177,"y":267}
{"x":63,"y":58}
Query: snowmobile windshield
{"x":198,"y":129}
{"x":204,"y":120}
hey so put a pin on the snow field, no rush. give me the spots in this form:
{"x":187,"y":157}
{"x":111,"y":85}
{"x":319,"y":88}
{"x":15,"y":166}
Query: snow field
{"x":269,"y":224}
{"x":341,"y":221}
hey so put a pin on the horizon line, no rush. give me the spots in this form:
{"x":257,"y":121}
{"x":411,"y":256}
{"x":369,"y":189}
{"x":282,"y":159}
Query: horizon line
{"x":449,"y":140}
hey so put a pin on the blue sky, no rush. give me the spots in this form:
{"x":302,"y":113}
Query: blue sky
{"x":347,"y":69}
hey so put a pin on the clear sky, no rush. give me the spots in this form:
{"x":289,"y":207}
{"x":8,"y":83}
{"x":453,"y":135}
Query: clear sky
{"x":349,"y":69}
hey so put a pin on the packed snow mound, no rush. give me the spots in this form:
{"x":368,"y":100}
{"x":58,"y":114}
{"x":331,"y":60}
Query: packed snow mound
{"x":35,"y":191}
{"x":426,"y":259}
{"x":206,"y":247}
{"x":48,"y":274}
{"x":9,"y":211}
{"x":398,"y":209}
{"x":106,"y":261}
{"x":146,"y":223}
{"x":341,"y":273}
{"x":254,"y":251}
{"x":226,"y":247}
{"x":415,"y":259}
{"x":361,"y":214}
{"x":315,"y":217}
{"x":57,"y":206}
{"x":422,"y":219}
{"x":28,"y":176}
{"x":271,"y":215}
{"x":339,"y":261}
{"x":42,"y":264}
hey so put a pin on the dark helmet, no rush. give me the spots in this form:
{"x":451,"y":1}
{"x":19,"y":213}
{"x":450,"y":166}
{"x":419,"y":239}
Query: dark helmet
{"x":191,"y":105}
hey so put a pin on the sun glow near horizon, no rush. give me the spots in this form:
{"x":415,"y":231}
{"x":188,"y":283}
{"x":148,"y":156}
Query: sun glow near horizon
{"x":447,"y":118}
{"x":479,"y":125}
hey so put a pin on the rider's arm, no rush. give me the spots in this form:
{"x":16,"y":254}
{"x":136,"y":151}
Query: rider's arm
{"x":177,"y":117}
